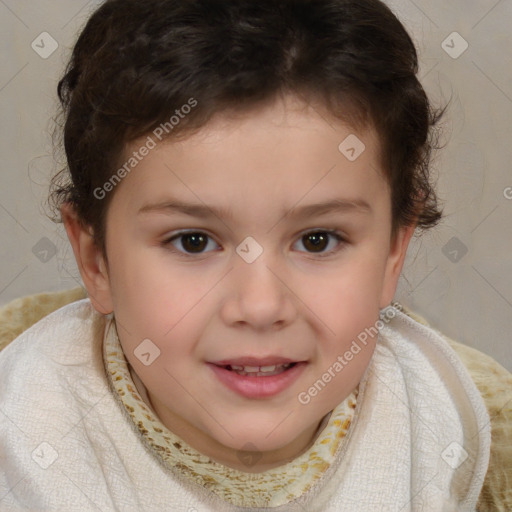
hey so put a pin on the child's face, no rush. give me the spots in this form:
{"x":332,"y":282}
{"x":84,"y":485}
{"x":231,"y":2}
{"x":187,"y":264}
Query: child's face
{"x":200,"y":301}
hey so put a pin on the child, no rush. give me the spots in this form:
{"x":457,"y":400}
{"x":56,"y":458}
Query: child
{"x":244,"y":180}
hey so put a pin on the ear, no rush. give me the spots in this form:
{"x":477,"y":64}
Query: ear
{"x":395,"y":262}
{"x":89,"y":259}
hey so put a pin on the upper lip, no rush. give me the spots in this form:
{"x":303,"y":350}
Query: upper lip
{"x":255,"y":361}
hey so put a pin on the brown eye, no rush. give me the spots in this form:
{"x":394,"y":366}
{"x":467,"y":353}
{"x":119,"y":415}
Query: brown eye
{"x":190,"y":243}
{"x":195,"y":242}
{"x":315,"y":241}
{"x":322,"y":243}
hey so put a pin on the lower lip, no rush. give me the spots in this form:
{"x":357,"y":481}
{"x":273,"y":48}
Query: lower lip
{"x":258,"y":387}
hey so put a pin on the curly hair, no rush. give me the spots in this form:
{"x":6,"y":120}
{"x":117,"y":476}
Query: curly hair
{"x":136,"y":62}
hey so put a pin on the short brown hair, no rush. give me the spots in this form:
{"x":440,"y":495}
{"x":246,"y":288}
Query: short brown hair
{"x":136,"y":62}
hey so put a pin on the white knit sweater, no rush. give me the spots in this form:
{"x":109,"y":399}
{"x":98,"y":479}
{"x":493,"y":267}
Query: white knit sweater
{"x":77,"y":433}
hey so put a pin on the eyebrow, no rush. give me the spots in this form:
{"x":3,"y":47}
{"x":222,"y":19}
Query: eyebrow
{"x":203,"y":211}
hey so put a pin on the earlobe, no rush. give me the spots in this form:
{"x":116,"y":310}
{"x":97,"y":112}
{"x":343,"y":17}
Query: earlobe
{"x":89,"y":260}
{"x":395,"y":263}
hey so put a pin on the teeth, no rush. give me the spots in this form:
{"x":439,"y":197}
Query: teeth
{"x":251,"y":369}
{"x":259,"y":371}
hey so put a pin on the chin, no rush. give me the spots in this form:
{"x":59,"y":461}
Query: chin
{"x":256,"y":442}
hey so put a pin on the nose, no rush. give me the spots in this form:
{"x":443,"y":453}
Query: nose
{"x":258,"y":295}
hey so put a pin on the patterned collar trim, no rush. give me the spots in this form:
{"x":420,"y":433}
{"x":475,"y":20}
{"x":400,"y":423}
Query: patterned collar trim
{"x":274,"y":487}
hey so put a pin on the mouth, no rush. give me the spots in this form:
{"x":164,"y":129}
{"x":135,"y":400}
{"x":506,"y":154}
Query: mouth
{"x":257,"y":382}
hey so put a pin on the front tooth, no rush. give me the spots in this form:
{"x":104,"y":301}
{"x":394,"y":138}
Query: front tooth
{"x":251,"y":368}
{"x":259,"y":369}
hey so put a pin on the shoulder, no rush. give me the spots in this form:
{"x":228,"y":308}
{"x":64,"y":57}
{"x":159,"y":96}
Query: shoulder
{"x":64,"y":338}
{"x":56,"y":410}
{"x":494,"y":383}
{"x":19,"y":314}
{"x":50,"y":366}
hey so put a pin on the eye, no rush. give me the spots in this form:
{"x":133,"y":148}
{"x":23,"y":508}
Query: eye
{"x":191,"y":242}
{"x":317,"y":241}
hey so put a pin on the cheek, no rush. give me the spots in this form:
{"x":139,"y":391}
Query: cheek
{"x":346,"y":306}
{"x":354,"y":288}
{"x":156,"y":300}
{"x":137,"y":284}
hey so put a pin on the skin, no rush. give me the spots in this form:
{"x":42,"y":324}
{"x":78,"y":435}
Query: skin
{"x":213,"y":305}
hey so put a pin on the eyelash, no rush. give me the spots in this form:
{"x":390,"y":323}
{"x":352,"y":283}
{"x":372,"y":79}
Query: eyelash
{"x":167,"y":243}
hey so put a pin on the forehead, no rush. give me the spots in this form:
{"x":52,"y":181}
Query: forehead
{"x":277,"y":154}
{"x":283,"y":115}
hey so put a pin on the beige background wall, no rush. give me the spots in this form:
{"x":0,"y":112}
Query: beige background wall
{"x":458,"y":276}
